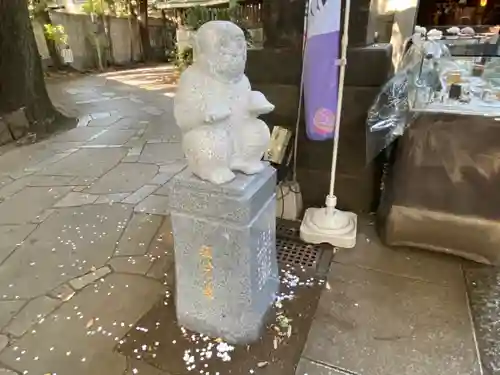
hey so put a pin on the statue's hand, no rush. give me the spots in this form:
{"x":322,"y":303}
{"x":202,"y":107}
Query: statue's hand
{"x":217,"y":114}
{"x":259,"y":104}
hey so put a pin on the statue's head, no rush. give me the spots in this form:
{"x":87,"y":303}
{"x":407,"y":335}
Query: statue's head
{"x":220,"y":48}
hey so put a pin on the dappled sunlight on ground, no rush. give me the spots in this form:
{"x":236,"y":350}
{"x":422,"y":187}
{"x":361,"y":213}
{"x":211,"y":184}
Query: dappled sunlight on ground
{"x":159,"y":78}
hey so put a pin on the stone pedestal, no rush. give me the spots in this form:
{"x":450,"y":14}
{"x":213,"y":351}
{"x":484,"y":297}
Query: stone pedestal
{"x":225,"y":253}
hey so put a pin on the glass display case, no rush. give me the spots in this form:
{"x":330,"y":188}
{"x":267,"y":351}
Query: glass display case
{"x":444,"y":75}
{"x":464,"y":81}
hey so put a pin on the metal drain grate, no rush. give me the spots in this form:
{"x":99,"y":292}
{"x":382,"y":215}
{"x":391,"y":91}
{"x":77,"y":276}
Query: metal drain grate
{"x":297,"y":254}
{"x":287,"y":229}
{"x":291,"y":250}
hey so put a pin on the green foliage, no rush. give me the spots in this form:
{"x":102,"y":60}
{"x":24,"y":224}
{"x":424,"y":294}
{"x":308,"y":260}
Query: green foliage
{"x":93,"y":7}
{"x":120,"y":8}
{"x":184,"y":58}
{"x":56,"y":33}
{"x":197,"y":16}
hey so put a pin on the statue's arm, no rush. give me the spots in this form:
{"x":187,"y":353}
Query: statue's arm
{"x":258,"y":104}
{"x":215,"y":112}
{"x":196,"y":101}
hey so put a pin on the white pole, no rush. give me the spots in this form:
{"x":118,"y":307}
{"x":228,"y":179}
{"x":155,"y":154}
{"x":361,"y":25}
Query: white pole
{"x":331,"y":200}
{"x":301,"y":94}
{"x":327,"y":224}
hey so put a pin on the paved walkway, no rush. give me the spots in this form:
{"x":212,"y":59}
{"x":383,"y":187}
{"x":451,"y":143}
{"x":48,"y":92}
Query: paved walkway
{"x":85,"y":251}
{"x":83,"y":231}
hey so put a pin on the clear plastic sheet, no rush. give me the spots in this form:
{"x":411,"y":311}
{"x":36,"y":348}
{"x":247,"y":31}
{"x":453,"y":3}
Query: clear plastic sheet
{"x":391,"y":114}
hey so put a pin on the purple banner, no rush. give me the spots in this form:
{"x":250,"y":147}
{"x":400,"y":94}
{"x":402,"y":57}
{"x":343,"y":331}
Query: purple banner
{"x":321,"y":73}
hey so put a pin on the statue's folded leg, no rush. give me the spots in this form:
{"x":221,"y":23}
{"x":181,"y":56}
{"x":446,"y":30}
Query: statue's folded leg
{"x":207,"y":151}
{"x":251,"y":140}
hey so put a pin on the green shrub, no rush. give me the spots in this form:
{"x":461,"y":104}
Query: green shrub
{"x":56,"y":33}
{"x":184,"y":58}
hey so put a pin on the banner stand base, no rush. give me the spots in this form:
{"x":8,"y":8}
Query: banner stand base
{"x":329,"y":225}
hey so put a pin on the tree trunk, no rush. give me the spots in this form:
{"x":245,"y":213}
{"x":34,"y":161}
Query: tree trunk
{"x":43,"y":19}
{"x":167,"y":34}
{"x":106,"y":20}
{"x":21,"y":77}
{"x":106,"y":24}
{"x":131,"y":17}
{"x":143,"y":29}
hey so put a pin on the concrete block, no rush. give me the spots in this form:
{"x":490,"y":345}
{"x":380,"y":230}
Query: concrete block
{"x":82,"y":282}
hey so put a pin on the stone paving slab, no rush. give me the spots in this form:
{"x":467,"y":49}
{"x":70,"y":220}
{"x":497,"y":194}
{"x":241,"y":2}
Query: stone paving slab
{"x":49,"y":161}
{"x":79,"y":338}
{"x":135,"y":146}
{"x":155,"y":205}
{"x":371,"y":322}
{"x":75,"y":199}
{"x":136,"y":367}
{"x":124,"y":178}
{"x":4,"y":341}
{"x":42,"y":216}
{"x":70,"y":243}
{"x":34,"y":312}
{"x":127,"y":107}
{"x":166,"y":131}
{"x":82,"y":134}
{"x":17,"y":159}
{"x":83,"y":281}
{"x":63,"y":292}
{"x":483,"y":288}
{"x":138,"y":234}
{"x":84,"y":180}
{"x":5,"y":180}
{"x":11,"y":236}
{"x":49,"y":181}
{"x":4,"y":371}
{"x":114,"y":138}
{"x":9,"y":309}
{"x":63,"y":146}
{"x":29,"y":203}
{"x":168,"y":171}
{"x":15,"y":186}
{"x":161,"y":153}
{"x":307,"y":367}
{"x":130,"y":123}
{"x":139,"y":265}
{"x":140,"y":194}
{"x":104,"y":121}
{"x":87,"y":163}
{"x":152,"y":110}
{"x":111,"y":198}
{"x":161,"y":251}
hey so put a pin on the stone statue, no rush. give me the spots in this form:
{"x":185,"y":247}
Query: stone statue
{"x":217,"y":110}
